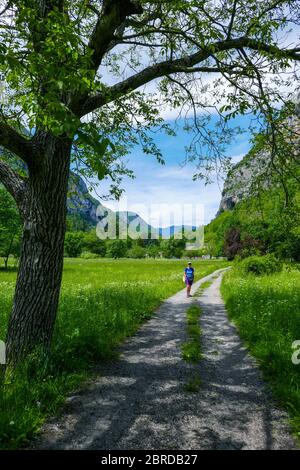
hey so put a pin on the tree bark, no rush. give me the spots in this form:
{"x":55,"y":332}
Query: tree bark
{"x":38,"y":284}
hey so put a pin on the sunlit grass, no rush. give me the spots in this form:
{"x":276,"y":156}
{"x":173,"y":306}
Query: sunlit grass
{"x":102,"y":302}
{"x":266,"y":310}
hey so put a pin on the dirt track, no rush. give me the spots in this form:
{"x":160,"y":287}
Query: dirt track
{"x":139,"y":401}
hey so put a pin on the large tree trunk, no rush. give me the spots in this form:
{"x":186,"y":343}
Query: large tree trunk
{"x":37,"y":291}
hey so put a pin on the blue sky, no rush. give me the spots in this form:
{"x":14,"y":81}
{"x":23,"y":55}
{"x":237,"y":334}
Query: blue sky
{"x":172,"y":183}
{"x":169,"y":184}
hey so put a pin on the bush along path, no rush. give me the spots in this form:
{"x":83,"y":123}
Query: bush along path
{"x":141,"y":401}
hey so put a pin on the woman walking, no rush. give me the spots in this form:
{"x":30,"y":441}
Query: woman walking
{"x":189,"y":278}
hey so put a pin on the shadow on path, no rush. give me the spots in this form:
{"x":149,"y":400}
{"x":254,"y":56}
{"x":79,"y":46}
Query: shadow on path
{"x":139,"y":400}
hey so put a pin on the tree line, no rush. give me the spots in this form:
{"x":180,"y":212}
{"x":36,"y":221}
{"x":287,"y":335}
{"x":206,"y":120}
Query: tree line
{"x":81,"y":240}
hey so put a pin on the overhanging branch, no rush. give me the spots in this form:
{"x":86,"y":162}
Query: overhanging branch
{"x":183,"y":65}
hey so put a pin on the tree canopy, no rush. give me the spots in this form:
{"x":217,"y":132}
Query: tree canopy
{"x":82,"y":69}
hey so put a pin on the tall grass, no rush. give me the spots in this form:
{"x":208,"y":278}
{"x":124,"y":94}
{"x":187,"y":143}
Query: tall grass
{"x":266,"y":310}
{"x":101,"y":303}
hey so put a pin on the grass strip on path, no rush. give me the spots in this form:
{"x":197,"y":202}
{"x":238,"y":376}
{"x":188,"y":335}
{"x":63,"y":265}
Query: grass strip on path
{"x":191,"y":349}
{"x":203,"y":286}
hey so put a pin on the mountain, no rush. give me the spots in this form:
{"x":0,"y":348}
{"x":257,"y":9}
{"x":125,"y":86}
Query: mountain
{"x":81,"y":203}
{"x":242,"y":177}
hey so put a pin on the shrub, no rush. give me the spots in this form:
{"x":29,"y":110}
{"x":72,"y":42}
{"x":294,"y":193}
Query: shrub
{"x":153,"y":251}
{"x":191,"y":254}
{"x":232,"y":243}
{"x":73,"y":244}
{"x":136,"y":252}
{"x":259,"y":265}
{"x":116,"y":249}
{"x":92,"y":244}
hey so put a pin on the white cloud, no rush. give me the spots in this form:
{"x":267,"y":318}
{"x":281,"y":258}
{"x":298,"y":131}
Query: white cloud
{"x":141,"y":198}
{"x":237,"y":158}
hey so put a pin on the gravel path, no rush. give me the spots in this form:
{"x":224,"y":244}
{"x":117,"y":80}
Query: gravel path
{"x":139,"y":401}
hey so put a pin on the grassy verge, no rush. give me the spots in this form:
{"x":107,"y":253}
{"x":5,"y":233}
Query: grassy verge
{"x":102,"y":302}
{"x":266,"y":310}
{"x":191,"y":349}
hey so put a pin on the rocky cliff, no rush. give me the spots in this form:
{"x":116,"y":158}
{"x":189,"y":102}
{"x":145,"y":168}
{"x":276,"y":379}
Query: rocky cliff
{"x":241,"y":177}
{"x":80,"y":202}
{"x":244,"y":176}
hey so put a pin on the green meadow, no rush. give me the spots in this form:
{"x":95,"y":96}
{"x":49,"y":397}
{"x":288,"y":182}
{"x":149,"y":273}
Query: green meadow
{"x":266,"y":310}
{"x":102,"y":302}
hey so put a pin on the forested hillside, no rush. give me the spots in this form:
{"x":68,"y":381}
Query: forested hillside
{"x":259,"y":210}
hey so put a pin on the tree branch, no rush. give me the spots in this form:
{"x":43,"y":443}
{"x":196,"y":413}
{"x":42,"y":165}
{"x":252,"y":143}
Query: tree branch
{"x":114,"y":14}
{"x":182,"y":65}
{"x":233,"y":13}
{"x":14,"y":184}
{"x":6,"y":7}
{"x":16,"y":143}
